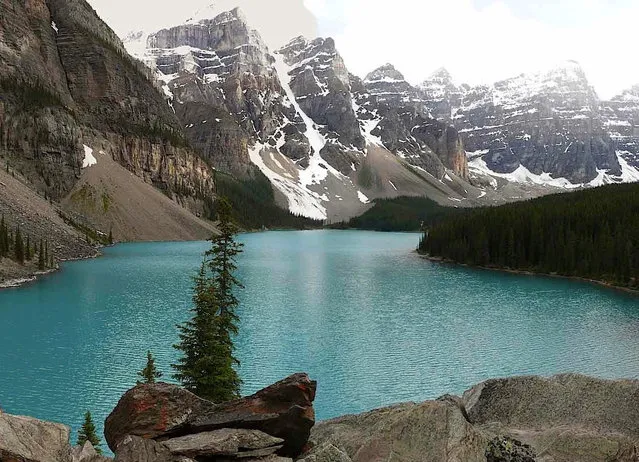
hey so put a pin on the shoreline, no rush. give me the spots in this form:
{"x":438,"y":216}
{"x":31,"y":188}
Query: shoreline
{"x":596,"y":282}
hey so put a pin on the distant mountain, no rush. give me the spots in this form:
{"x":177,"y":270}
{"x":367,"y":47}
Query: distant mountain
{"x":328,"y":141}
{"x":548,"y":128}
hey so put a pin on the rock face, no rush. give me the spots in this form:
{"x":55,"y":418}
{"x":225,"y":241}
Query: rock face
{"x":567,"y":418}
{"x":548,"y":128}
{"x":621,"y":116}
{"x":31,"y":440}
{"x":276,"y":419}
{"x":69,"y":87}
{"x":296,"y":115}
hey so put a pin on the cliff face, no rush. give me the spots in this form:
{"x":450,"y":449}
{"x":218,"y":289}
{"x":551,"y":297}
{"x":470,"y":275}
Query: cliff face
{"x":67,"y":82}
{"x":550,"y":123}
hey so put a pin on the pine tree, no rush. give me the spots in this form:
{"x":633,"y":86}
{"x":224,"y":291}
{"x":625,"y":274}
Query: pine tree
{"x":41,"y":260}
{"x":150,"y":372}
{"x":27,"y":250}
{"x":19,"y":246}
{"x":88,"y":433}
{"x":207,"y":365}
{"x":46,"y":253}
{"x":111,"y":236}
{"x":4,"y":238}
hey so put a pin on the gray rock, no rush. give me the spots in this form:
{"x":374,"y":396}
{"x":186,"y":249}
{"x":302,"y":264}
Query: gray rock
{"x":325,"y":452}
{"x":26,"y":439}
{"x":225,"y":442}
{"x":137,"y":449}
{"x":87,"y":453}
{"x":435,"y":430}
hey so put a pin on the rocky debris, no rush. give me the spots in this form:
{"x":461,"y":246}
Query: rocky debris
{"x":276,"y":419}
{"x":550,"y":122}
{"x":506,"y":449}
{"x":31,"y":440}
{"x":566,"y":418}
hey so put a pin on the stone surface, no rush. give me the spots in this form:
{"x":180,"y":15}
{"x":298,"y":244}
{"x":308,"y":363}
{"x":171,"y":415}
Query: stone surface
{"x":325,"y":452}
{"x":151,"y":411}
{"x":284,"y":410}
{"x":505,"y":449}
{"x":137,"y":449}
{"x":224,"y":442}
{"x":432,"y":431}
{"x":24,"y":439}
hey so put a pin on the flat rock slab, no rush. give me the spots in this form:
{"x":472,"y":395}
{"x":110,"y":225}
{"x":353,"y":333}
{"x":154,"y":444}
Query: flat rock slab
{"x":225,"y":442}
{"x":26,"y":439}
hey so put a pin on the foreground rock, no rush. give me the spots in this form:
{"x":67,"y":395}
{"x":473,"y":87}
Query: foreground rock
{"x":27,"y":439}
{"x":276,"y":419}
{"x":567,"y":418}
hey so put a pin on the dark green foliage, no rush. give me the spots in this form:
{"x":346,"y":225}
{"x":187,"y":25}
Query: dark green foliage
{"x":29,"y":94}
{"x":41,"y":260}
{"x":207,"y":365}
{"x":254,"y":206}
{"x":88,"y":433}
{"x":592,"y":234}
{"x":4,"y":238}
{"x":400,"y":214}
{"x":27,"y":250}
{"x":111,"y":236}
{"x":150,"y":372}
{"x":18,"y":247}
{"x":90,"y":234}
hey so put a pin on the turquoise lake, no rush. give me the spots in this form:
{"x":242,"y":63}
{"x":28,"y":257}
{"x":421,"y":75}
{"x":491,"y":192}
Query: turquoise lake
{"x":373,"y":322}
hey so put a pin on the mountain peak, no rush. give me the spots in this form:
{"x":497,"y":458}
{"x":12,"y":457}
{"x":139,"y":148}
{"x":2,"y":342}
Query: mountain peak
{"x":387,"y":72}
{"x":213,"y":13}
{"x":442,"y":75}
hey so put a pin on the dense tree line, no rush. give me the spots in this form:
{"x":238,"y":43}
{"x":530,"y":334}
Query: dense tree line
{"x":592,"y":234}
{"x":254,"y":206}
{"x":400,"y":214}
{"x":15,"y":246}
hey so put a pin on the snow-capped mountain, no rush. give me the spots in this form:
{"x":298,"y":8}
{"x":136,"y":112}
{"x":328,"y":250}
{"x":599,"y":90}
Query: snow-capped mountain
{"x":548,"y":128}
{"x":328,"y":141}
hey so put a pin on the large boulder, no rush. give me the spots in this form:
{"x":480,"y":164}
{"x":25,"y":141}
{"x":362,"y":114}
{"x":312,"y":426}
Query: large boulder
{"x":432,"y":431}
{"x":162,"y":412}
{"x":284,"y":410}
{"x":25,"y":439}
{"x":506,"y":449}
{"x":565,"y":418}
{"x":150,"y":411}
{"x":325,"y":452}
{"x":137,"y":449}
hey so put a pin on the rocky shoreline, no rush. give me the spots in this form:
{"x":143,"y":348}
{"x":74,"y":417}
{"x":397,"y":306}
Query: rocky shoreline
{"x":565,"y":418}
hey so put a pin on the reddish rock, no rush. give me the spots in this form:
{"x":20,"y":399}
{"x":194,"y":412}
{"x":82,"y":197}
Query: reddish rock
{"x":151,"y":411}
{"x":284,"y":410}
{"x":161,"y":411}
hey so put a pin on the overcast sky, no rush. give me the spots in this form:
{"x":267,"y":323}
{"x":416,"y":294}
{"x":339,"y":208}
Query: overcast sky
{"x":478,"y":41}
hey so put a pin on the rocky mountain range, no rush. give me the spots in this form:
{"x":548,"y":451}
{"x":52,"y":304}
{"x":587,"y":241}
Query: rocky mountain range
{"x":550,"y":128}
{"x":328,"y":141}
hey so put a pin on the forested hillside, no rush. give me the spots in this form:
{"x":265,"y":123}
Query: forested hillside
{"x":592,"y":234}
{"x":400,"y":214}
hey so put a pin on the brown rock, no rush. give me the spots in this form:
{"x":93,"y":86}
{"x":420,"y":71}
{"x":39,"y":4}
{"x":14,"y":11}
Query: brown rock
{"x":284,"y":410}
{"x":325,"y":453}
{"x":87,"y":453}
{"x":150,"y":411}
{"x":225,"y":442}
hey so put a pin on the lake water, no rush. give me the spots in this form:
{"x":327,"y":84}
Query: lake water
{"x":373,"y":322}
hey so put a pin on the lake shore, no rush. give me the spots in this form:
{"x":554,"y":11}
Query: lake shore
{"x":604,"y":284}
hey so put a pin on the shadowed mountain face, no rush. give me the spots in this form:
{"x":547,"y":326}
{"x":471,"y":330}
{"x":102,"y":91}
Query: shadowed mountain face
{"x":299,"y":116}
{"x":552,"y":124}
{"x":71,"y":96}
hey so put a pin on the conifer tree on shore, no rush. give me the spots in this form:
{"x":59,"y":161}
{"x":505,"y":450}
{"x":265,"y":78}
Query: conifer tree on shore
{"x":88,"y":433}
{"x":207,"y":365}
{"x":41,"y":261}
{"x":19,"y":246}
